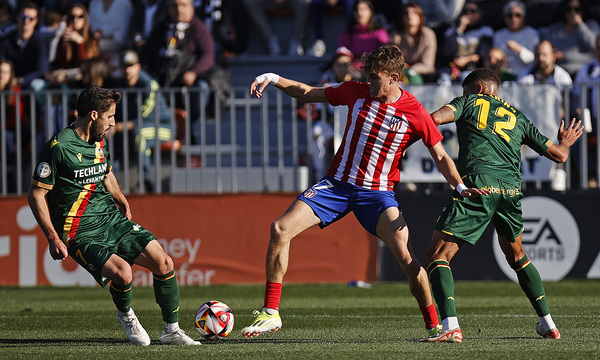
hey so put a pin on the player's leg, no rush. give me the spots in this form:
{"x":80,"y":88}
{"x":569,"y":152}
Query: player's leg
{"x":531,"y":283}
{"x":166,"y":292}
{"x":393,"y":231}
{"x":298,"y":217}
{"x":442,"y":250}
{"x":119,"y":272}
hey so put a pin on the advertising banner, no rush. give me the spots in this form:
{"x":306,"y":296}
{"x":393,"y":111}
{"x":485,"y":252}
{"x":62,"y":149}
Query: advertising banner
{"x":212,"y":240}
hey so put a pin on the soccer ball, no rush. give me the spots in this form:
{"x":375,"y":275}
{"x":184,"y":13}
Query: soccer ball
{"x":214,"y":320}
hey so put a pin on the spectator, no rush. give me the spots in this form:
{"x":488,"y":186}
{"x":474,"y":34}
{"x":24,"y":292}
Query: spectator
{"x":573,"y":37}
{"x":439,"y":13}
{"x":416,"y":41}
{"x":317,"y":9}
{"x":465,"y":44}
{"x":152,"y":104}
{"x":25,"y":47}
{"x":546,"y":71}
{"x":146,"y":15}
{"x":340,"y":68}
{"x":495,"y":60}
{"x":109,"y":21}
{"x":94,"y":71}
{"x":181,"y":52}
{"x":6,"y":21}
{"x":14,"y":111}
{"x":516,"y":40}
{"x":590,"y":74}
{"x":364,"y":33}
{"x":257,"y":11}
{"x":230,"y":28}
{"x":76,"y":44}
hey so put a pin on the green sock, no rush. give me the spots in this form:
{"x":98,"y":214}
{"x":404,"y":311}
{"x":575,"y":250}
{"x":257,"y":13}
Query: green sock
{"x":122,"y":296}
{"x":166,"y":292}
{"x":531,"y":283}
{"x":442,"y":285}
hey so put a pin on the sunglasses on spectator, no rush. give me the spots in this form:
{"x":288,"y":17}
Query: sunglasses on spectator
{"x":30,"y":18}
{"x":575,"y":8}
{"x":73,"y":17}
{"x":512,"y":15}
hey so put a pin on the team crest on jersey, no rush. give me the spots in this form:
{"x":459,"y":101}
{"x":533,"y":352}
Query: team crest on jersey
{"x":99,"y":153}
{"x":43,"y":170}
{"x":396,"y":122}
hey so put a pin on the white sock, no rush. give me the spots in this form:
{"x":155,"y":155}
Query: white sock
{"x":170,"y":327}
{"x":270,"y":311}
{"x":128,"y":313}
{"x":546,"y":322}
{"x":450,"y":323}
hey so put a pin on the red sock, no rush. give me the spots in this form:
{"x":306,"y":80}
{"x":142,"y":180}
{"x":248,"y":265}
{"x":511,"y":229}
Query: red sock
{"x":273,"y":295}
{"x":430,"y":316}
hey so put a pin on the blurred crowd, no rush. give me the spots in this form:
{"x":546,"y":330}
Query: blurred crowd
{"x":153,"y":44}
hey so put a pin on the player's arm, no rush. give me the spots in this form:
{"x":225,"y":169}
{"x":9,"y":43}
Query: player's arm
{"x":566,"y":138}
{"x":293,"y":88}
{"x":446,"y":166}
{"x":112,"y":186}
{"x":36,"y":197}
{"x":443,"y":116}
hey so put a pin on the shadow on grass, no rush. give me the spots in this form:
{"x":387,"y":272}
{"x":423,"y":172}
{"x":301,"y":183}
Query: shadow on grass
{"x":71,"y":342}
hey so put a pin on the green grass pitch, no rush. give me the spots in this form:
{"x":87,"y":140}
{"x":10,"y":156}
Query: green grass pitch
{"x":325,"y":321}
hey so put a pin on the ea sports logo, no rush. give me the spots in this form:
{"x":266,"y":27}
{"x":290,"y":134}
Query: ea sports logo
{"x":551,"y":239}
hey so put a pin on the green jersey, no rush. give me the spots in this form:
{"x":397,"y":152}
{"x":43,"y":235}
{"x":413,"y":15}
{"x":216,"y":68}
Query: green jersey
{"x":73,"y":171}
{"x":490,"y":135}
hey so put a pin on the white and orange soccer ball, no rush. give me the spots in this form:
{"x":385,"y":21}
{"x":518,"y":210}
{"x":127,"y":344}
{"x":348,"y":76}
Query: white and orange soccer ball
{"x":214,"y":320}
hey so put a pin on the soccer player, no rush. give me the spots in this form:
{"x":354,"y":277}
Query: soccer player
{"x":79,"y":205}
{"x":383,"y":120}
{"x":490,"y":134}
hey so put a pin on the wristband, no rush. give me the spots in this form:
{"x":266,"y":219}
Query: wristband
{"x":273,"y":78}
{"x":460,"y":188}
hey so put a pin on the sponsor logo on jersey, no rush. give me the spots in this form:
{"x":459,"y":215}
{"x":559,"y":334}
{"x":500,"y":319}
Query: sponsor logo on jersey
{"x":79,"y":155}
{"x":54,"y":142}
{"x":43,"y":170}
{"x":136,"y":227}
{"x":99,"y":153}
{"x":396,"y":122}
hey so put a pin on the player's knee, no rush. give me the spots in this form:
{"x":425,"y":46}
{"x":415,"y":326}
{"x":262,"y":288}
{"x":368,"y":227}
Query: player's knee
{"x":164,"y":264}
{"x":123,"y":275}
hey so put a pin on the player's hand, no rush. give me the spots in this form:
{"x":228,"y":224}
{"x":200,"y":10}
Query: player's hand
{"x":261,"y":81}
{"x":58,"y":249}
{"x":569,"y":135}
{"x":474,"y":192}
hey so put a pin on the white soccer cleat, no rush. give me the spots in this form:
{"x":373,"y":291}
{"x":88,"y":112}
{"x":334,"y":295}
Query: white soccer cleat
{"x":133,"y":329}
{"x":547,"y":333}
{"x":452,"y":336}
{"x":264,"y":323}
{"x":177,"y":337}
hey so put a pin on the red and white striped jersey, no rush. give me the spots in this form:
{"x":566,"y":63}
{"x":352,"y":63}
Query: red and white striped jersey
{"x":377,"y":135}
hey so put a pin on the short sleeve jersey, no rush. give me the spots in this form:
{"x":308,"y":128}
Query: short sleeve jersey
{"x":376,"y":135}
{"x":490,"y":135}
{"x":73,"y":171}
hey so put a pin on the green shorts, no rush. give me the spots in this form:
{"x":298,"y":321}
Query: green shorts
{"x":467,"y":218}
{"x":123,"y":238}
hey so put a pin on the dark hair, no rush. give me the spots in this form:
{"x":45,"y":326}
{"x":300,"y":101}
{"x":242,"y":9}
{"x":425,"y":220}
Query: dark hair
{"x":386,"y":58}
{"x":564,"y":8}
{"x":95,"y":98}
{"x":373,"y":23}
{"x":12,"y":72}
{"x":481,"y":75}
{"x":29,"y":5}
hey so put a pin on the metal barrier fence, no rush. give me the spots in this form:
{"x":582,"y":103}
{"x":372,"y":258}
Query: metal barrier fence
{"x":228,"y":142}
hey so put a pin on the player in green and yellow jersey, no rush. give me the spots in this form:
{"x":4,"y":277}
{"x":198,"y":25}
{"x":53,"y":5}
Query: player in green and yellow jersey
{"x":79,"y":206}
{"x":490,"y":134}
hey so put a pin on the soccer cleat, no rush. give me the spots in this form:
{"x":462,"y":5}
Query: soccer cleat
{"x":133,"y":329}
{"x":177,"y":337}
{"x":264,"y":323}
{"x":548,"y":334}
{"x":434,"y":330}
{"x":452,"y":336}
